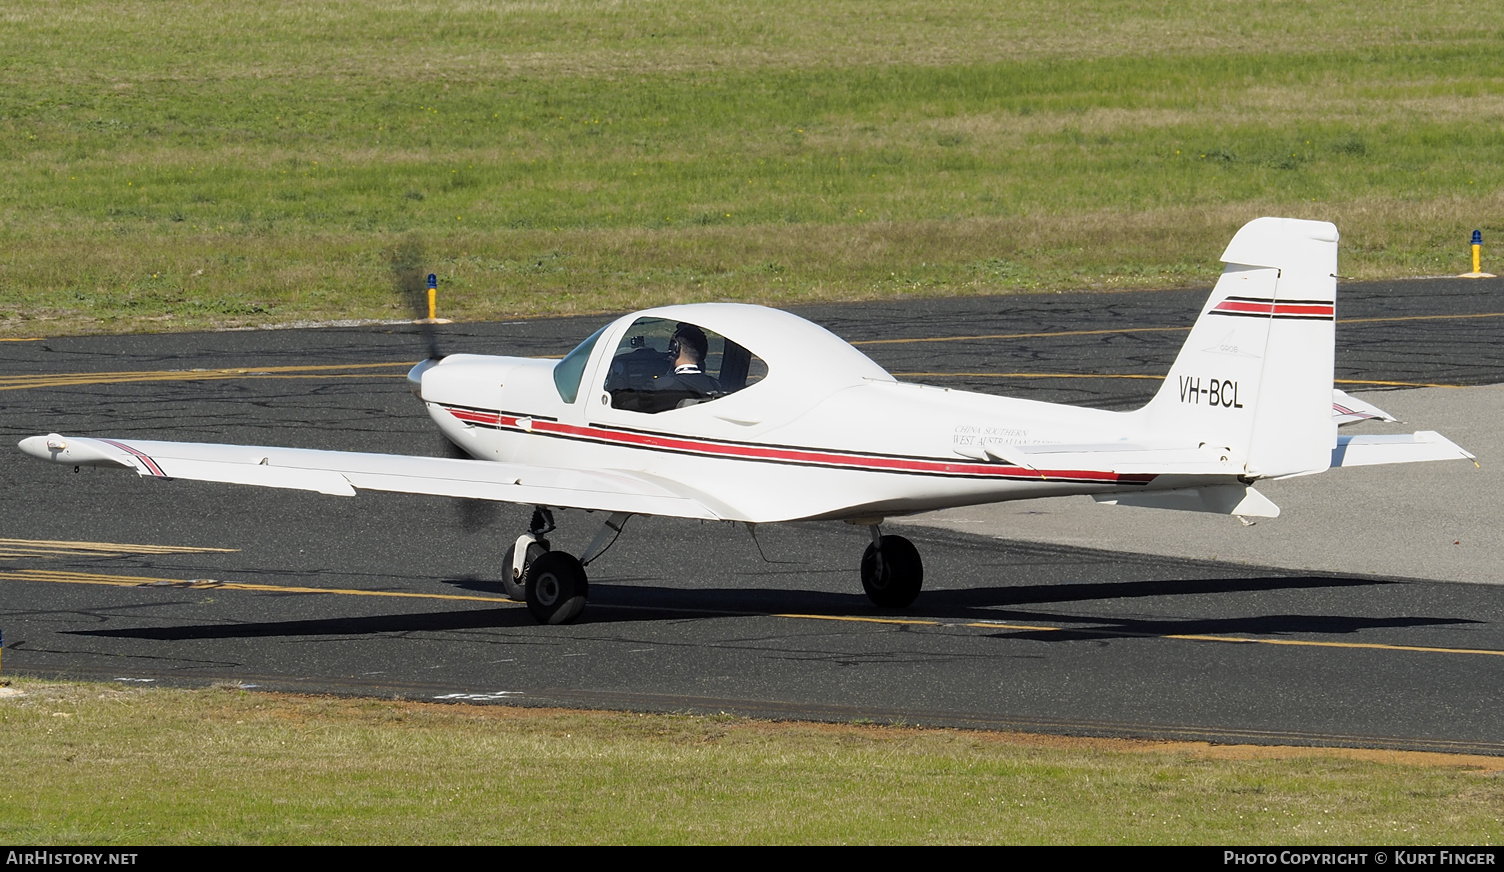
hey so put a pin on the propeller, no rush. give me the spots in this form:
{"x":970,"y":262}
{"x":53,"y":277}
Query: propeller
{"x":474,"y":515}
{"x":413,"y":283}
{"x":408,"y":261}
{"x":408,"y":275}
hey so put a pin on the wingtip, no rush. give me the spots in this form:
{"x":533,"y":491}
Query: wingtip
{"x":43,"y":447}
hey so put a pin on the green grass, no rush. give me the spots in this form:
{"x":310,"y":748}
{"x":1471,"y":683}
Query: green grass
{"x":98,"y":764}
{"x":186,"y":164}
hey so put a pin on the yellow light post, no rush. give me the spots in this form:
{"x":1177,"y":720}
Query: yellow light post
{"x":1477,"y":272}
{"x":433,"y":303}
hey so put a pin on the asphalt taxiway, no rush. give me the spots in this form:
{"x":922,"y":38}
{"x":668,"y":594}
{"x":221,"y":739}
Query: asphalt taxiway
{"x":1342,"y":622}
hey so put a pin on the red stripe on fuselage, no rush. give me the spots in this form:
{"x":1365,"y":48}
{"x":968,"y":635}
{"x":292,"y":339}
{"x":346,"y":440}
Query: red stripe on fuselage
{"x":807,"y":456}
{"x":471,"y":417}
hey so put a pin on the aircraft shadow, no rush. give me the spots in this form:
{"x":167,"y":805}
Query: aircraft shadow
{"x":628,"y":603}
{"x":961,"y":603}
{"x":1255,"y":625}
{"x":366,"y":626}
{"x":991,"y":597}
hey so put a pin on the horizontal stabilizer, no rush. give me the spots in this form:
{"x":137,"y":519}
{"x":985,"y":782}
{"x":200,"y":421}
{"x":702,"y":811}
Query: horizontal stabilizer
{"x":1404,"y":448}
{"x":1122,"y":458}
{"x":1347,"y":409}
{"x":1222,"y":499}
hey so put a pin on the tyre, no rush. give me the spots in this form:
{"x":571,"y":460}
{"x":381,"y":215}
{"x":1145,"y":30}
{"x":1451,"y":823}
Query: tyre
{"x":894,"y":580}
{"x":556,"y":588}
{"x":515,"y":585}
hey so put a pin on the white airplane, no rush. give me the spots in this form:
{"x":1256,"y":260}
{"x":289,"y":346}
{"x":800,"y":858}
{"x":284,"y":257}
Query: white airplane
{"x":742,"y":413}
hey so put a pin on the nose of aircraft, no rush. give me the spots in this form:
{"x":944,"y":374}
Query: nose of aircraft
{"x":415,"y":376}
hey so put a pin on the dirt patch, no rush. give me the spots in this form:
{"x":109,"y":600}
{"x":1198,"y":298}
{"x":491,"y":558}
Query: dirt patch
{"x":1210,"y":750}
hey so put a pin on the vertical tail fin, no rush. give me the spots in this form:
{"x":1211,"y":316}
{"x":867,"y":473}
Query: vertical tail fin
{"x":1255,"y":375}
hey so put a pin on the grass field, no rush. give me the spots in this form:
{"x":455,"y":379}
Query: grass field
{"x":173,"y":165}
{"x":100,"y":764}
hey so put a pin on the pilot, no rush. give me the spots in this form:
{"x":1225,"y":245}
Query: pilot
{"x":688,"y":380}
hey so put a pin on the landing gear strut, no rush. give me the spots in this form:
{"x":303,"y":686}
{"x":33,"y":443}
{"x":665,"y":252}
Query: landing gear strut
{"x":531,"y":545}
{"x":553,"y":583}
{"x":892,"y":572}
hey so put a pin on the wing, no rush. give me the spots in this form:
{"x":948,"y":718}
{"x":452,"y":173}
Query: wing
{"x":342,"y":473}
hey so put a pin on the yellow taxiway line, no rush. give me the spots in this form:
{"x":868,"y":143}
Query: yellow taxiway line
{"x":1392,"y":318}
{"x":26,"y":382}
{"x":1394,"y":384}
{"x":920,"y":339}
{"x":59,"y":577}
{"x":11,"y":548}
{"x":1187,"y":329}
{"x":213,"y":584}
{"x":1243,"y":640}
{"x":23,"y":382}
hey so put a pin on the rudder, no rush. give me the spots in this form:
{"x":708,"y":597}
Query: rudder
{"x":1255,"y":375}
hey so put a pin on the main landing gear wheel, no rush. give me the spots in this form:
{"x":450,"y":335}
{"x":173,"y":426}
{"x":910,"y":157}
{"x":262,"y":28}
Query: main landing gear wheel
{"x":513,"y":582}
{"x":556,"y":587}
{"x":892,"y":572}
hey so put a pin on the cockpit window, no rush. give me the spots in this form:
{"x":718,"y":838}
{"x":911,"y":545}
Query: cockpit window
{"x":663,"y":364}
{"x":569,"y":371}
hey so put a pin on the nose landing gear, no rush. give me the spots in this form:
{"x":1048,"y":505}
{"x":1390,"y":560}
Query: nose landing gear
{"x":531,"y":545}
{"x":553,"y":583}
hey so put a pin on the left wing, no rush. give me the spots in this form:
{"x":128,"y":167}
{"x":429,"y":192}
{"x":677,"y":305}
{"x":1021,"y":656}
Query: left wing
{"x":342,"y":473}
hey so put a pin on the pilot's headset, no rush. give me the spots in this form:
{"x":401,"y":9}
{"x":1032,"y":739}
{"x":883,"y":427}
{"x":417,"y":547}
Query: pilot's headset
{"x":685,"y":330}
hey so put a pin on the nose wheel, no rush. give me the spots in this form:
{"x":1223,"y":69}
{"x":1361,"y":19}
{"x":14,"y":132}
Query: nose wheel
{"x":556,"y":588}
{"x":892,"y":572}
{"x":553,"y":583}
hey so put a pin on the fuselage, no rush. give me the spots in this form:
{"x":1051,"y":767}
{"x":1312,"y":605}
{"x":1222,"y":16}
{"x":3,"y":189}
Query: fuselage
{"x":825,"y":433}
